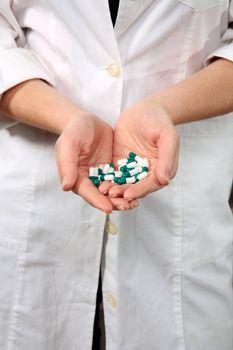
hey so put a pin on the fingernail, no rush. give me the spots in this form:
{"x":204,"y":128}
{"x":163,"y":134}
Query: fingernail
{"x":135,"y":205}
{"x":122,"y":208}
{"x":128,"y":197}
{"x":113,"y":195}
{"x":64,"y":181}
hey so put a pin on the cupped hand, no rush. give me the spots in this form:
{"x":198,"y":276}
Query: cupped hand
{"x":147,"y":130}
{"x":86,"y":141}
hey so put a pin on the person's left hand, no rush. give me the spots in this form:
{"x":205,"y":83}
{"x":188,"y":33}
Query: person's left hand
{"x":147,"y":130}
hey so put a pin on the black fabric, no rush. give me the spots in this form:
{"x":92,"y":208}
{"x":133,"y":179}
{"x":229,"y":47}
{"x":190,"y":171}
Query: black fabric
{"x":113,"y":7}
{"x":97,"y":331}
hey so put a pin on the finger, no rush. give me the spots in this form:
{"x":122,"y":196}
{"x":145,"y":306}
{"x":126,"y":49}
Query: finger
{"x":105,"y":186}
{"x":142,"y":188}
{"x":134,"y":203}
{"x":120,"y":204}
{"x":91,"y":194}
{"x":118,"y":190}
{"x":168,"y":150}
{"x":67,"y":154}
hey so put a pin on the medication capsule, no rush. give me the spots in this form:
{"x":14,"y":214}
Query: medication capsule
{"x":106,"y":168}
{"x":122,"y":181}
{"x":132,"y":155}
{"x":126,"y":174}
{"x":134,"y":171}
{"x":93,"y":171}
{"x":116,"y":179}
{"x":145,"y":163}
{"x":102,"y":177}
{"x":142,"y":175}
{"x":131,"y":180}
{"x":123,"y":168}
{"x":122,"y":162}
{"x":145,"y":168}
{"x":100,"y":171}
{"x":108,"y":177}
{"x":118,"y":173}
{"x":92,"y":178}
{"x":96,"y":182}
{"x":131,"y":165}
{"x":139,"y":160}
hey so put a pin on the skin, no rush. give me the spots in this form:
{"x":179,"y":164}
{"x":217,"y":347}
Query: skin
{"x":147,"y":128}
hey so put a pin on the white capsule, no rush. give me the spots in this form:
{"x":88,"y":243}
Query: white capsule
{"x":142,"y":175}
{"x":145,"y":163}
{"x":121,"y":162}
{"x":131,"y":165}
{"x":93,"y":171}
{"x":109,"y":177}
{"x":130,"y":180}
{"x":139,"y":168}
{"x":139,"y":160}
{"x":111,"y":170}
{"x":106,"y":169}
{"x":118,"y":173}
{"x":134,"y":171}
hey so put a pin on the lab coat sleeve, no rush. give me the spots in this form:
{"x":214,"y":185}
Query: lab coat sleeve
{"x":17,"y":63}
{"x":226,"y":48}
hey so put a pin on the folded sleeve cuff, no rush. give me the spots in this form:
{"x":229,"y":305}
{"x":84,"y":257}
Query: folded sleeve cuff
{"x":16,"y":66}
{"x":225,"y":51}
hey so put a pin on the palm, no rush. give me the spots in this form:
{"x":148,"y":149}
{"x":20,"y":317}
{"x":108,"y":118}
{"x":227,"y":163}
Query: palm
{"x":150,"y":136}
{"x":86,"y":142}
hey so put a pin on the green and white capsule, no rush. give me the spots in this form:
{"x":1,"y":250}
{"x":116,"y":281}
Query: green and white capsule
{"x":145,"y":163}
{"x":132,"y":155}
{"x":131,"y":180}
{"x":123,"y":168}
{"x":142,"y":175}
{"x":106,"y":168}
{"x":93,"y":172}
{"x":118,"y":173}
{"x":121,"y":162}
{"x":109,"y":177}
{"x":135,"y":171}
{"x":131,"y":165}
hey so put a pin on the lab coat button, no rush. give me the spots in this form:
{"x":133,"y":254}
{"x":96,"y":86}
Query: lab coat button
{"x":111,"y":228}
{"x":114,"y":70}
{"x":111,"y":301}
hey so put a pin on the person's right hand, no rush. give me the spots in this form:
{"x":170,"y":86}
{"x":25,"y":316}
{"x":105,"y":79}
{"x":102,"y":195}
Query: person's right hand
{"x":86,"y":142}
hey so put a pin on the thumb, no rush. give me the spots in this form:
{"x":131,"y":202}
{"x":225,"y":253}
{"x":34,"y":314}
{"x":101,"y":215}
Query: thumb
{"x":168,"y":152}
{"x":67,"y":155}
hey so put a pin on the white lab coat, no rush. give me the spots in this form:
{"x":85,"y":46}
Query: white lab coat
{"x":166,"y":266}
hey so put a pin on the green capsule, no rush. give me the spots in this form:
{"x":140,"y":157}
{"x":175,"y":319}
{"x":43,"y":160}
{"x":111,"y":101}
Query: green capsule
{"x":116,"y":179}
{"x":96,"y":182}
{"x":122,"y":181}
{"x":126,"y":174}
{"x":144,"y":168}
{"x":92,"y":178}
{"x":100,"y":171}
{"x":111,"y":165}
{"x":132,"y":155}
{"x":102,"y":177}
{"x":123,"y":168}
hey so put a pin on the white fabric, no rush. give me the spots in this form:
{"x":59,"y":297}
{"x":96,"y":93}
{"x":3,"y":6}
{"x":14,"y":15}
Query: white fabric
{"x":167,"y":271}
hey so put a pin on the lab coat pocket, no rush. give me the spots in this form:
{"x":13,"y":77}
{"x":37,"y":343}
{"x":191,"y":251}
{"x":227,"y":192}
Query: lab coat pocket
{"x":201,"y":5}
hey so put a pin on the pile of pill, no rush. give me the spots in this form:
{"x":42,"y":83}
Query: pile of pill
{"x":130,"y":170}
